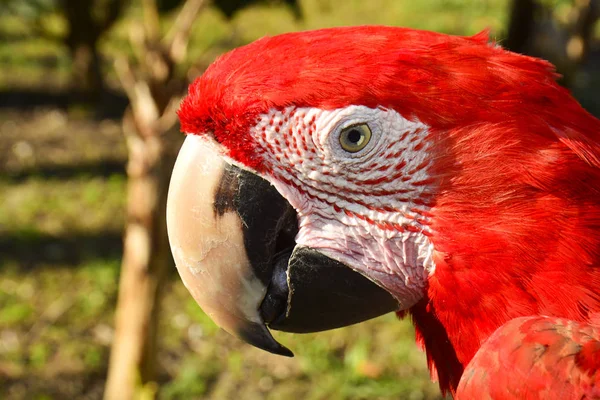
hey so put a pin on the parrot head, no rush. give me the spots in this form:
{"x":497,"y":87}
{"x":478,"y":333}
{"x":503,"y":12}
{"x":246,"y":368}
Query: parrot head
{"x":333,"y":176}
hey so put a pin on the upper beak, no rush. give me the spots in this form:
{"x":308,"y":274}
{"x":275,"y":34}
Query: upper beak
{"x":232,"y":237}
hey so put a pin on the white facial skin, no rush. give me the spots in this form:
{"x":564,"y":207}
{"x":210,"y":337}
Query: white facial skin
{"x":367,"y":209}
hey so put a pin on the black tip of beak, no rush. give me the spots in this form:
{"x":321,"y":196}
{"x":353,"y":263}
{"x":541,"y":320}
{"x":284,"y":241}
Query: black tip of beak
{"x":259,"y":336}
{"x":325,"y":294}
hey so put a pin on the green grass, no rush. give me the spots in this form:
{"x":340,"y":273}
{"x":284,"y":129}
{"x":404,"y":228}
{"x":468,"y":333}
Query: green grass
{"x":55,"y":206}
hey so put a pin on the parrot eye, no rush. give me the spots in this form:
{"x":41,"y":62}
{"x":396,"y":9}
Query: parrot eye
{"x":355,"y":137}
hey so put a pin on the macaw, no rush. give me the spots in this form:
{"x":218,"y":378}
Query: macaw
{"x":335,"y":175}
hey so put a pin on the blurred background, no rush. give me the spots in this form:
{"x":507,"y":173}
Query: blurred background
{"x":88,"y":135}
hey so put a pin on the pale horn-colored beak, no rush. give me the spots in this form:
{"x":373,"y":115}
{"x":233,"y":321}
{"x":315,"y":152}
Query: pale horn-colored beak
{"x":233,"y":239}
{"x":207,"y":242}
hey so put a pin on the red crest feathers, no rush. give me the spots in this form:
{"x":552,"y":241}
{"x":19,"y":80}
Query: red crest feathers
{"x":442,"y":80}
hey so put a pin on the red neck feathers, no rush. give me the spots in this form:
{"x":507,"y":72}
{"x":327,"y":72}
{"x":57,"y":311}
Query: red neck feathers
{"x":516,"y":221}
{"x":516,"y":225}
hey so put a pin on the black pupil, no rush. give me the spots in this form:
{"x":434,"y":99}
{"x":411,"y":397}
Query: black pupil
{"x":354,"y":136}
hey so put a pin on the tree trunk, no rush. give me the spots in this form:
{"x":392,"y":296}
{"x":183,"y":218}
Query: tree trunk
{"x":145,"y":262}
{"x":520,"y":25}
{"x":87,"y":82}
{"x":154,"y":92}
{"x":85,"y":29}
{"x":532,"y":31}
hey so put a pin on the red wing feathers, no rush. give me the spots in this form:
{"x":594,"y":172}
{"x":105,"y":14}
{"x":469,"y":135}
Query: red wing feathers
{"x":536,"y":358}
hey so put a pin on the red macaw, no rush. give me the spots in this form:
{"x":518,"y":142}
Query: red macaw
{"x":331,"y":176}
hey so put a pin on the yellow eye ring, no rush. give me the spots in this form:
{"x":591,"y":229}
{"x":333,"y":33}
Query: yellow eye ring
{"x":354,"y":138}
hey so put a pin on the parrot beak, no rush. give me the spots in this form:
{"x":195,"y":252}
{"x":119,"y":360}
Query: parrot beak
{"x":232,"y":237}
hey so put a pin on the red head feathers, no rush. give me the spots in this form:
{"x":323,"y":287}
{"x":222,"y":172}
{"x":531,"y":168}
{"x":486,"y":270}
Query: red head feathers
{"x":442,"y":80}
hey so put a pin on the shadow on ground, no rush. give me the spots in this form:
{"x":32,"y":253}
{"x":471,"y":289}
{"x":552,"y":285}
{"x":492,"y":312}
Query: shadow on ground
{"x":32,"y":249}
{"x":103,"y":169}
{"x":110,"y":104}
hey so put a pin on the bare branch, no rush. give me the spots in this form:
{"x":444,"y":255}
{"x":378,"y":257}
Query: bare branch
{"x":151,"y":20}
{"x":176,"y":40}
{"x":140,"y":97}
{"x":113,"y":12}
{"x":137,"y":39}
{"x":145,"y":109}
{"x":169,"y":117}
{"x":126,"y":77}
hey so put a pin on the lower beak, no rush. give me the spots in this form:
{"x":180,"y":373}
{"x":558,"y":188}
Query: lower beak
{"x":232,"y":237}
